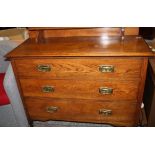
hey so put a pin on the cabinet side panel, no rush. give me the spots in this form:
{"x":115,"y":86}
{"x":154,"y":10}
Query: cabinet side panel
{"x":141,"y":86}
{"x":19,"y":88}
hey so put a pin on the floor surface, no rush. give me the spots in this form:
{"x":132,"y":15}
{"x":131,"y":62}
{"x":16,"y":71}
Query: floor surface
{"x":66,"y":124}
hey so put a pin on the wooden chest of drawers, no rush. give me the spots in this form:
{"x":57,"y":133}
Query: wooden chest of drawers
{"x":82,"y":79}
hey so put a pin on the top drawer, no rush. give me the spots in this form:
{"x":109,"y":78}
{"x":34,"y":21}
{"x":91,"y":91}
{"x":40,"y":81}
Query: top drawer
{"x":121,"y":68}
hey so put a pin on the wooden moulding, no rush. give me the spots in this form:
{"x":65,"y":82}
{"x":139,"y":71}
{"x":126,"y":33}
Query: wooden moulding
{"x":40,"y":33}
{"x":82,"y":47}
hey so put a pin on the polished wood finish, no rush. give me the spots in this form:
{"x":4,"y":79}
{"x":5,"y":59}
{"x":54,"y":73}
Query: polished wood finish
{"x":123,"y":113}
{"x":81,"y":89}
{"x":143,"y":77}
{"x":69,"y":32}
{"x":82,"y":46}
{"x":75,"y":78}
{"x":87,"y":68}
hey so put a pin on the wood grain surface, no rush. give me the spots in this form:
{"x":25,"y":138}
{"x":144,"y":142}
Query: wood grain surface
{"x":81,"y":89}
{"x":87,"y":68}
{"x":74,"y":57}
{"x":80,"y":31}
{"x":82,"y":46}
{"x":123,"y":113}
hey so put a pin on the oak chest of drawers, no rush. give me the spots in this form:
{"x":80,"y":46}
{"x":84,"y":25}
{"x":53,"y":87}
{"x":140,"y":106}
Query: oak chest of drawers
{"x":82,"y":78}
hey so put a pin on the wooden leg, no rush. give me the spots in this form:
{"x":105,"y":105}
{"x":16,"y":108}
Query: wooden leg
{"x":143,"y":119}
{"x":31,"y":123}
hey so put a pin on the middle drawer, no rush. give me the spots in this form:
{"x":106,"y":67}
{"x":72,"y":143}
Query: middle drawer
{"x":80,"y":89}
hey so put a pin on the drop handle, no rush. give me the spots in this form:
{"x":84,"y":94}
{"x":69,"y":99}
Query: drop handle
{"x":48,"y":89}
{"x":105,"y":112}
{"x":44,"y":68}
{"x":106,"y":68}
{"x":52,"y":109}
{"x":105,"y":90}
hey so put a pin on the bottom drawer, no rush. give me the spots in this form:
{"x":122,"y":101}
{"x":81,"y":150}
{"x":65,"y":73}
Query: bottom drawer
{"x":120,"y":113}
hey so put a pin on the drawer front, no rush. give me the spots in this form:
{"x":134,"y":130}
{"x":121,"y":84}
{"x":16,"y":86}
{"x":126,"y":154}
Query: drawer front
{"x":117,"y":113}
{"x":80,"y":89}
{"x":80,"y":68}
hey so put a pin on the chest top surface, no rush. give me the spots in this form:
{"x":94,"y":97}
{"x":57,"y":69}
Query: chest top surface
{"x":82,"y":46}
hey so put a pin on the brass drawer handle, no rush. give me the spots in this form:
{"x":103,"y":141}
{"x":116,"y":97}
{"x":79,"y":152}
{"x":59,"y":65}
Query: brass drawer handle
{"x":52,"y":109}
{"x":105,"y":90}
{"x":105,"y":112}
{"x":47,"y":89}
{"x":44,"y":68}
{"x":106,"y":68}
